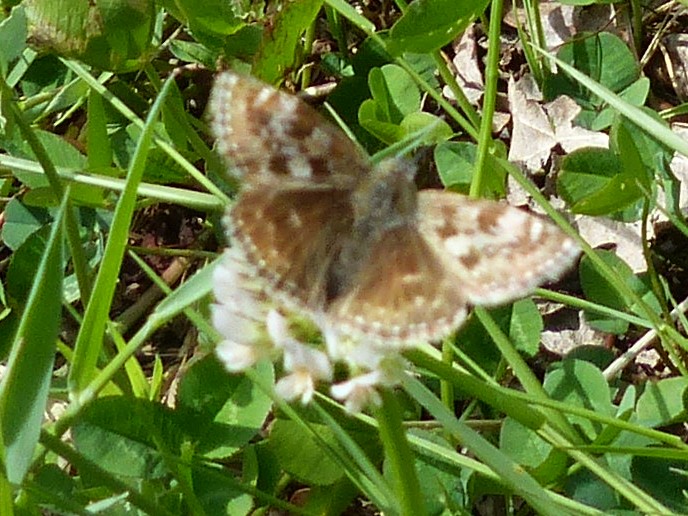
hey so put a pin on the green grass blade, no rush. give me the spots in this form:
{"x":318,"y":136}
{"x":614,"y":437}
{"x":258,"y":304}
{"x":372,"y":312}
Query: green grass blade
{"x":90,"y":339}
{"x":24,"y":388}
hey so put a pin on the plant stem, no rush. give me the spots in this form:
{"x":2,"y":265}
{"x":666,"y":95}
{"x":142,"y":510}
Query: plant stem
{"x":400,"y":459}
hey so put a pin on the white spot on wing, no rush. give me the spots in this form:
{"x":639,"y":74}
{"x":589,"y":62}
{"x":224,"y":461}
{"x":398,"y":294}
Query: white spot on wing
{"x":295,"y":220}
{"x":318,"y":141}
{"x":458,"y":245}
{"x":288,"y":103}
{"x":263,"y":96}
{"x":299,"y":166}
{"x":536,"y":230}
{"x":511,"y":220}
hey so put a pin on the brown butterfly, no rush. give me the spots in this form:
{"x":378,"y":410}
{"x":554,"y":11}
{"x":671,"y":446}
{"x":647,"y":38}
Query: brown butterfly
{"x":355,"y":244}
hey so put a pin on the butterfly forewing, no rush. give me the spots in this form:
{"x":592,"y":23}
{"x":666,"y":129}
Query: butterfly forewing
{"x":270,"y":135}
{"x":497,"y":253}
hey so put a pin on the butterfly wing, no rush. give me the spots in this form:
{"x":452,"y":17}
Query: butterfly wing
{"x":402,"y":294}
{"x":497,"y":253}
{"x":398,"y":279}
{"x":270,"y":135}
{"x":293,"y":237}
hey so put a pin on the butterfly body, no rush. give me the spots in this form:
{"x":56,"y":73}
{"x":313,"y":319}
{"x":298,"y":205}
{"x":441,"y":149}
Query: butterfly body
{"x":386,"y":198}
{"x":355,"y":245}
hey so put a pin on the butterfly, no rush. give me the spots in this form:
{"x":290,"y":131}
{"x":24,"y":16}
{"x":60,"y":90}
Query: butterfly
{"x":355,"y":244}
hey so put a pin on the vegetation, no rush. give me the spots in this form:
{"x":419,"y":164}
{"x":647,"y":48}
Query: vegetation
{"x":111,"y":400}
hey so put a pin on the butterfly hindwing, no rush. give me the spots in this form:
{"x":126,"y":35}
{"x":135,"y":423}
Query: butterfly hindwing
{"x":402,"y":293}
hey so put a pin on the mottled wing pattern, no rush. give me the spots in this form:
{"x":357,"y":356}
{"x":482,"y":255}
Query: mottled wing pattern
{"x":268,"y":134}
{"x":292,"y":238}
{"x":332,"y":239}
{"x":496,"y":253}
{"x":402,"y":294}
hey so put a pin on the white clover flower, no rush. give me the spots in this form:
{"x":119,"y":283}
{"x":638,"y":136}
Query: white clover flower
{"x":358,"y":392}
{"x":239,"y":314}
{"x":357,"y":352}
{"x":238,"y":357}
{"x":306,"y":365}
{"x":296,"y":385}
{"x":278,"y":328}
{"x":361,"y":391}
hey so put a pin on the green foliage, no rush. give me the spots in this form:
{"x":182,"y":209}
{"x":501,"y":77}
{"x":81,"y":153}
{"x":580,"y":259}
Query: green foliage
{"x":428,"y":25}
{"x":606,"y":59}
{"x":394,"y":111}
{"x":600,"y":290}
{"x":616,"y":181}
{"x":12,"y":38}
{"x":456,"y":164}
{"x":114,"y":35}
{"x":97,"y":158}
{"x":26,"y":382}
{"x":233,"y":412}
{"x":278,"y":49}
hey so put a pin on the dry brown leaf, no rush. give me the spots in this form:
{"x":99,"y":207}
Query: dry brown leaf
{"x":468,"y":74}
{"x":538,"y":128}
